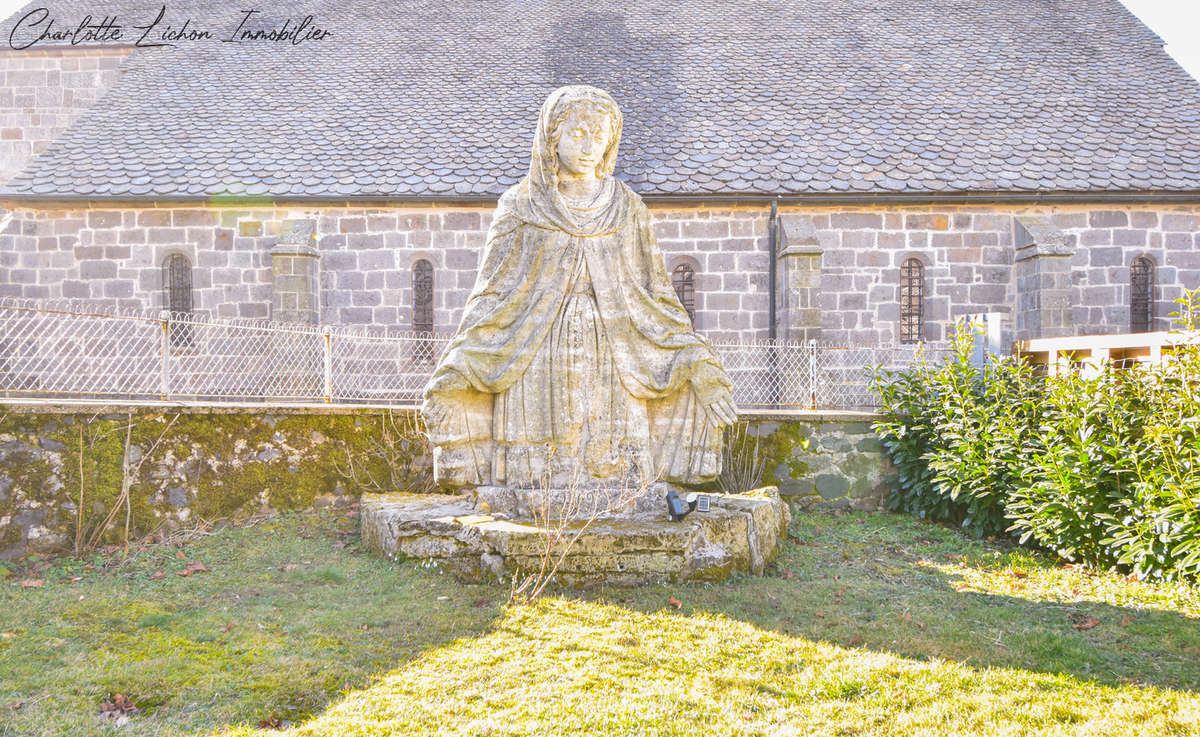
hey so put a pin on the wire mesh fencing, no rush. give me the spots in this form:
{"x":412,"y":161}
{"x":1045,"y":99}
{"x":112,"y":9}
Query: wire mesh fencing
{"x":75,"y":351}
{"x":812,"y":375}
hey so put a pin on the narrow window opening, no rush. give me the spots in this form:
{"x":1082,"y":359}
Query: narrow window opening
{"x":912,"y":301}
{"x":1141,"y":288}
{"x":683,"y":278}
{"x":177,"y":279}
{"x":422,"y":314}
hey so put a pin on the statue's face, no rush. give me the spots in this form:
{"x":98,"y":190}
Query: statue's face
{"x":582,"y":141}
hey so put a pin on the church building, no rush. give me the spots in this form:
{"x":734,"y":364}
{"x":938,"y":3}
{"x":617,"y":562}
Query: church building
{"x":854,"y":172}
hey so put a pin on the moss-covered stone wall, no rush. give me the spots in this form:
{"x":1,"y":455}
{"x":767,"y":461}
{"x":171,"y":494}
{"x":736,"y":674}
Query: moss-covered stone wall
{"x":61,"y":473}
{"x":830,"y":458}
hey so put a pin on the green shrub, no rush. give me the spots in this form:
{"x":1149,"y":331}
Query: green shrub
{"x":1101,"y":469}
{"x":1072,"y":474}
{"x":956,"y":433}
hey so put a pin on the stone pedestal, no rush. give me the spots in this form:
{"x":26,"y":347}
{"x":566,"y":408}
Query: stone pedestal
{"x":741,"y":533}
{"x":799,"y":287}
{"x":1043,"y":273}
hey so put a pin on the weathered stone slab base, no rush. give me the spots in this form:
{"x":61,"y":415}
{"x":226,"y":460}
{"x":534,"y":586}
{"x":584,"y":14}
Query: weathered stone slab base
{"x":742,"y":532}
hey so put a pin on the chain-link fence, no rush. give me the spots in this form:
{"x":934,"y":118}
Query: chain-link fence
{"x":75,"y":351}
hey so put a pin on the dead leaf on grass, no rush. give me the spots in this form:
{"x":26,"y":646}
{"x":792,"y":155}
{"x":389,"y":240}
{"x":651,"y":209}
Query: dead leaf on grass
{"x":196,"y":566}
{"x":787,"y":575}
{"x":118,"y":709}
{"x":185,"y":573}
{"x":31,"y":583}
{"x":76,"y":579}
{"x":288,"y":567}
{"x":856,"y":640}
{"x":1086,"y":624}
{"x":1126,"y":620}
{"x":157,"y":575}
{"x":674,"y":602}
{"x":179,"y":555}
{"x":270,"y":723}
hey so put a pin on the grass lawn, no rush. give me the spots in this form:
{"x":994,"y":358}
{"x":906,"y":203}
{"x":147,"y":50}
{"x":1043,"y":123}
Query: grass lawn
{"x":869,"y":624}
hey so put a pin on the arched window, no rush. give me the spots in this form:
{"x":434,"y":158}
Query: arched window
{"x":422,"y":281}
{"x":422,"y":314}
{"x":683,"y":278}
{"x":912,"y":301}
{"x":1141,"y":295}
{"x":177,"y":283}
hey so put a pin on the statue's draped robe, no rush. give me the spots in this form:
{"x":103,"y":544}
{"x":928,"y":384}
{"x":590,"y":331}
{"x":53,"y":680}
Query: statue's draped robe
{"x":577,"y":350}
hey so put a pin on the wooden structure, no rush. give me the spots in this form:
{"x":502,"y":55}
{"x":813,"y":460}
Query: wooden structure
{"x":1088,"y":353}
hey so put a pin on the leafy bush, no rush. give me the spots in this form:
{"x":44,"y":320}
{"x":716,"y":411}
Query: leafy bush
{"x":956,"y":433}
{"x":1101,"y":469}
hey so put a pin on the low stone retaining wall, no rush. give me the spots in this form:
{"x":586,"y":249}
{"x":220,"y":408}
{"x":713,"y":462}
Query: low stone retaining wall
{"x":824,"y":457}
{"x":61,"y":466}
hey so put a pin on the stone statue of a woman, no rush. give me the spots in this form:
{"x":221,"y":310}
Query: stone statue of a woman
{"x":574,"y":355}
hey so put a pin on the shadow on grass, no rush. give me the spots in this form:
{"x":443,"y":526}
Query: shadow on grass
{"x":924,"y":592}
{"x":867,"y":585}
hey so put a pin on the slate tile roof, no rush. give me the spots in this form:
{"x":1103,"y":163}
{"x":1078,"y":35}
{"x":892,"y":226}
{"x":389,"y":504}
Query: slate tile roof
{"x":438,"y":98}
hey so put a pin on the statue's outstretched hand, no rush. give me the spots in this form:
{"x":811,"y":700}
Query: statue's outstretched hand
{"x":712,"y":389}
{"x":437,"y":405}
{"x":722,"y":411}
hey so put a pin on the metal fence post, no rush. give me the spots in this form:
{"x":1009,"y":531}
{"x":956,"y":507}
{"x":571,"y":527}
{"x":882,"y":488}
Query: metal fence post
{"x":328,"y":365}
{"x":812,"y":374}
{"x":164,"y":376}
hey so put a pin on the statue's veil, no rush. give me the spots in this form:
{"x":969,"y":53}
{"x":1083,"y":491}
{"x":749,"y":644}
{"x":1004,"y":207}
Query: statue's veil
{"x":545,"y":206}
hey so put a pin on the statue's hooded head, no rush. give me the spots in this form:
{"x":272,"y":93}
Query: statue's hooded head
{"x":557,"y":109}
{"x":545,"y":205}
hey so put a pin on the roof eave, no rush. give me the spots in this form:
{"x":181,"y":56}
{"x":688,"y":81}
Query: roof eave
{"x":15,"y":201}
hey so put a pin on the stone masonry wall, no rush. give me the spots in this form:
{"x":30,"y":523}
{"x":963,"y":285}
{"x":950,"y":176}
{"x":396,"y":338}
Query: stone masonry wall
{"x":826,"y":459}
{"x":187,"y":468}
{"x":366,"y":257}
{"x":43,"y":91}
{"x":968,"y":256}
{"x":196,"y":466}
